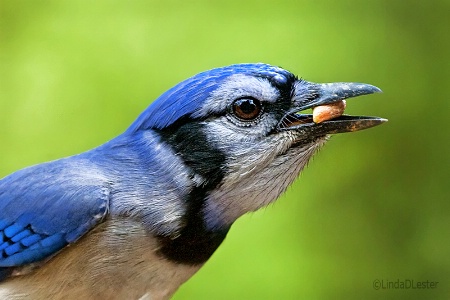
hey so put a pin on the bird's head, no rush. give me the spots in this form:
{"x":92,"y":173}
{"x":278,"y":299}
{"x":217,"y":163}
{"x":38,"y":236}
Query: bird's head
{"x":241,"y":131}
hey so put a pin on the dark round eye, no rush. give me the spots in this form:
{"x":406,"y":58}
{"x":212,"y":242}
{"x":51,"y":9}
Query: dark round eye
{"x":247,"y":108}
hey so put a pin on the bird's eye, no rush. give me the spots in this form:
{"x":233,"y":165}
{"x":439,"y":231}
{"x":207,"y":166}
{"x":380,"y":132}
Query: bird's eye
{"x":247,"y":108}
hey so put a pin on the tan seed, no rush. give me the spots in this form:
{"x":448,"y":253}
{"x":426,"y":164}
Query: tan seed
{"x":327,"y":112}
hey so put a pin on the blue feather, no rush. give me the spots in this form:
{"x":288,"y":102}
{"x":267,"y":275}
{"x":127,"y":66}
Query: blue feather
{"x":187,"y":97}
{"x":31,"y":240}
{"x":23,"y":234}
{"x":45,"y":207}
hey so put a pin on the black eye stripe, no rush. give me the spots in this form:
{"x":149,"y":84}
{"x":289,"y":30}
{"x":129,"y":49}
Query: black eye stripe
{"x":247,"y":108}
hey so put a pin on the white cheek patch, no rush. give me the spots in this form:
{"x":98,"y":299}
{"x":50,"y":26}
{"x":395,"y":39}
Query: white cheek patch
{"x":237,"y":86}
{"x":263,"y":185}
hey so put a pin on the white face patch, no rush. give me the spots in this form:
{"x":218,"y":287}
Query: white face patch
{"x":235,"y":87}
{"x":260,"y":162}
{"x":264,"y":177}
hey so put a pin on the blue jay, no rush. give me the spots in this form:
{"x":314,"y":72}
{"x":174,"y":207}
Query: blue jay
{"x":137,"y":216}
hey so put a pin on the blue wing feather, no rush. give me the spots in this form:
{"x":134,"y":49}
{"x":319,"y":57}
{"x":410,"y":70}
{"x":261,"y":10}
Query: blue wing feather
{"x":46,"y":207}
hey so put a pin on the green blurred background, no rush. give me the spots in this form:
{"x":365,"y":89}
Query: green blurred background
{"x":371,"y":205}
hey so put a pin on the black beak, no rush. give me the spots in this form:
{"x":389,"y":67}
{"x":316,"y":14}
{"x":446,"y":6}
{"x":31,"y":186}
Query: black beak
{"x":309,"y":95}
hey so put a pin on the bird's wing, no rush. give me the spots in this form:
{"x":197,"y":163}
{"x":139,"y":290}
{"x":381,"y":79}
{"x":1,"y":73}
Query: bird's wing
{"x":46,"y":207}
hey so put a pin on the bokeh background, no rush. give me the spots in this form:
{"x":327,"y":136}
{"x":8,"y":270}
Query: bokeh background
{"x":371,"y":205}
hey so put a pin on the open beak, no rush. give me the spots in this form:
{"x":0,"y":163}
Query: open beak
{"x":310,"y":95}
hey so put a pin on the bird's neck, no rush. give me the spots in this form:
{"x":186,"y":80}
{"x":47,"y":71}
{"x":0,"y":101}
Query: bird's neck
{"x":182,"y":231}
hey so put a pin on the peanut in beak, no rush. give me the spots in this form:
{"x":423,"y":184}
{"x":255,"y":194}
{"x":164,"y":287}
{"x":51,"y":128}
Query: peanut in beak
{"x":327,"y":112}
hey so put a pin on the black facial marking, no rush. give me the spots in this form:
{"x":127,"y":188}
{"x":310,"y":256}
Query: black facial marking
{"x":286,"y":88}
{"x":190,"y":142}
{"x":194,"y":243}
{"x":284,"y":83}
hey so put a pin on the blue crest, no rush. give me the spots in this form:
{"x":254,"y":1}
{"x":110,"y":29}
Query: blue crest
{"x":187,"y":97}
